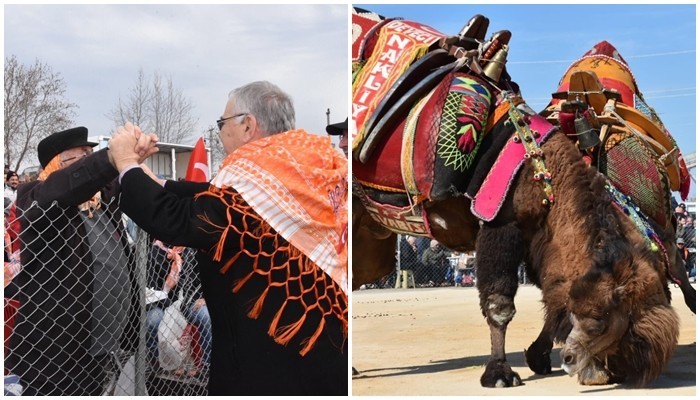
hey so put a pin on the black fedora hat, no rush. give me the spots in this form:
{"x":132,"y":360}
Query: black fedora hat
{"x":59,"y":142}
{"x":338,"y":128}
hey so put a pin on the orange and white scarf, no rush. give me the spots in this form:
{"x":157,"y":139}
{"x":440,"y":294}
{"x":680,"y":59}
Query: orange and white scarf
{"x":297,"y":182}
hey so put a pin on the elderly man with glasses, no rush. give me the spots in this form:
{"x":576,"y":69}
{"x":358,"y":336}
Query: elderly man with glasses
{"x":271,"y":234}
{"x":74,"y":287}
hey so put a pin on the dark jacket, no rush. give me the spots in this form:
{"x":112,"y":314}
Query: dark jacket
{"x":52,"y":336}
{"x":409,"y":257}
{"x":435,"y":258}
{"x":245,"y":359}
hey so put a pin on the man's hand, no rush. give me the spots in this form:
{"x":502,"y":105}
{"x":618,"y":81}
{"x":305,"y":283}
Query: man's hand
{"x":198,"y":304}
{"x":145,"y":145}
{"x":129,"y":146}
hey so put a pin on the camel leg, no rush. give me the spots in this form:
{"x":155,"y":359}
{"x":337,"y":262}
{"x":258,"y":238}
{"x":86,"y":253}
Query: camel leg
{"x":374,"y":249}
{"x":497,"y":282}
{"x":679,"y":274}
{"x":537,"y":355}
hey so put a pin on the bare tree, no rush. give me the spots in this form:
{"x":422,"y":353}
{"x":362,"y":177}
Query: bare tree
{"x":217,"y":149}
{"x":35,"y":106}
{"x":156,"y":105}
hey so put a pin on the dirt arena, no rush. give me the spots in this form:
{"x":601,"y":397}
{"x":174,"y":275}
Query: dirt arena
{"x":433,"y":342}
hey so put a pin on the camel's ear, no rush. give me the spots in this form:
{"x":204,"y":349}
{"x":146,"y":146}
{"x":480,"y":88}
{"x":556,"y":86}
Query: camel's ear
{"x":622,"y":266}
{"x":618,"y":295}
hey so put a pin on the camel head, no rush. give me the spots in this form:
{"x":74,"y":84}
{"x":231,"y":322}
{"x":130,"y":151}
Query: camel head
{"x":623,"y":327}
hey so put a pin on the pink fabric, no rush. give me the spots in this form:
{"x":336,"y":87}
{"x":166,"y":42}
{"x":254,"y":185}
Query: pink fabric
{"x":489,"y":199}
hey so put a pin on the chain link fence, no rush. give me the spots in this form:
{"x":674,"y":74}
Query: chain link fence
{"x":686,"y":241}
{"x":94,"y":306}
{"x":422,"y":262}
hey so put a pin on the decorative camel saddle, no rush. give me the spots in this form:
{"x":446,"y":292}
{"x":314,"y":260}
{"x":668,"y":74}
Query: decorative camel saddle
{"x":425,"y":109}
{"x":435,"y":116}
{"x":599,"y":105}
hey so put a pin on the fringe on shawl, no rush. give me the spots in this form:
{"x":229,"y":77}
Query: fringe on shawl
{"x":333,"y":302}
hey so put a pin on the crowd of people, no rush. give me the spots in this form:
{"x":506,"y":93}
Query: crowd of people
{"x":432,"y":264}
{"x":233,"y":261}
{"x":685,"y":238}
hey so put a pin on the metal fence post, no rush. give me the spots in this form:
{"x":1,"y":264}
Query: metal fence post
{"x":140,"y":359}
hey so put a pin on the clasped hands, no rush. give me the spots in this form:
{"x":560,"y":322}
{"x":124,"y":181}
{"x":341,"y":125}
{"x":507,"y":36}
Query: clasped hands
{"x":129,"y":146}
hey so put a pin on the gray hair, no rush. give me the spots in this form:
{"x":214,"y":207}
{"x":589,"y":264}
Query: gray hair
{"x":272,"y":108}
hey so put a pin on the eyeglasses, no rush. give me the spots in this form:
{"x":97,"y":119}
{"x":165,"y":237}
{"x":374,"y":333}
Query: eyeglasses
{"x":221,"y":121}
{"x":78,"y":157}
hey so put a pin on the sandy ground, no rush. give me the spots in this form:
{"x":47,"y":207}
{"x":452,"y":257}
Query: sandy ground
{"x":432,"y":342}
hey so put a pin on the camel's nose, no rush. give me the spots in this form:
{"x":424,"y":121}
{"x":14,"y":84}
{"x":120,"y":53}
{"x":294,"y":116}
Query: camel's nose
{"x":568,"y":357}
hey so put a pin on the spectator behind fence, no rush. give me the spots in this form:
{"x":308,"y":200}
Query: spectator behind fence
{"x":435,"y":261}
{"x":74,"y":283}
{"x":11,"y":183}
{"x":171,"y":271}
{"x":409,"y":258}
{"x":685,"y":254}
{"x":271,"y":226}
{"x":687,"y":231}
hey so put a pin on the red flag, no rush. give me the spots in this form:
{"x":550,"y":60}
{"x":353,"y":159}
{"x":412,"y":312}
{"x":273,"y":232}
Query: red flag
{"x":198,"y":168}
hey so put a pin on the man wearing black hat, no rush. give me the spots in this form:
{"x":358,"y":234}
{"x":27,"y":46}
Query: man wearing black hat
{"x":74,"y":283}
{"x":340,"y":129}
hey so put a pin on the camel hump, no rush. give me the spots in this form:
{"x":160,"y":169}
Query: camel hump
{"x":610,"y":69}
{"x":632,"y":137}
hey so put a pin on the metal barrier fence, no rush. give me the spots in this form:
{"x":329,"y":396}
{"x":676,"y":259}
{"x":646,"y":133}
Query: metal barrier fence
{"x":421,"y":263}
{"x":94,"y":308}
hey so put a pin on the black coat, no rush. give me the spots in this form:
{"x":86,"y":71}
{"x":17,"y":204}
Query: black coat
{"x":410,"y":259}
{"x":245,"y":359}
{"x":51,"y":338}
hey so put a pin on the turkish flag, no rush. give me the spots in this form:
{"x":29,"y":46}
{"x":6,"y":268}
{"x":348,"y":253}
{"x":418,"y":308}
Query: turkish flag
{"x":198,"y":168}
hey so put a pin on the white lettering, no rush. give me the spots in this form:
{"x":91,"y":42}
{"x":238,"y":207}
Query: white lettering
{"x":390,"y":55}
{"x":383,"y":69}
{"x":357,"y":109}
{"x":396,"y":40}
{"x":371,"y":84}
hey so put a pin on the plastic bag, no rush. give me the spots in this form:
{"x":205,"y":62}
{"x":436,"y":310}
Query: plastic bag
{"x":125,"y":385}
{"x":171,"y":351}
{"x":12,"y":386}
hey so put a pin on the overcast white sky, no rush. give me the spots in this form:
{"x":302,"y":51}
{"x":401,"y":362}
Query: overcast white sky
{"x":207,"y":50}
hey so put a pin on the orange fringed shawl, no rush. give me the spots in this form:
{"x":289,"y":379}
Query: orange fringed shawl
{"x":295,"y":183}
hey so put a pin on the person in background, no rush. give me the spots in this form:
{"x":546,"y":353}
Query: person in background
{"x":340,"y":129}
{"x":409,"y":258}
{"x":11,"y":183}
{"x":171,"y":271}
{"x":435,"y":261}
{"x":74,"y":284}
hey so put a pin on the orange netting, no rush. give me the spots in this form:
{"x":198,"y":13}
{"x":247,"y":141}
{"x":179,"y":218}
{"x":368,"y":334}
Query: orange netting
{"x":302,"y":280}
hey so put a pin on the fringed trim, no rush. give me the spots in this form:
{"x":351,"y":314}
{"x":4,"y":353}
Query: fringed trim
{"x":330,"y":302}
{"x":51,"y":167}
